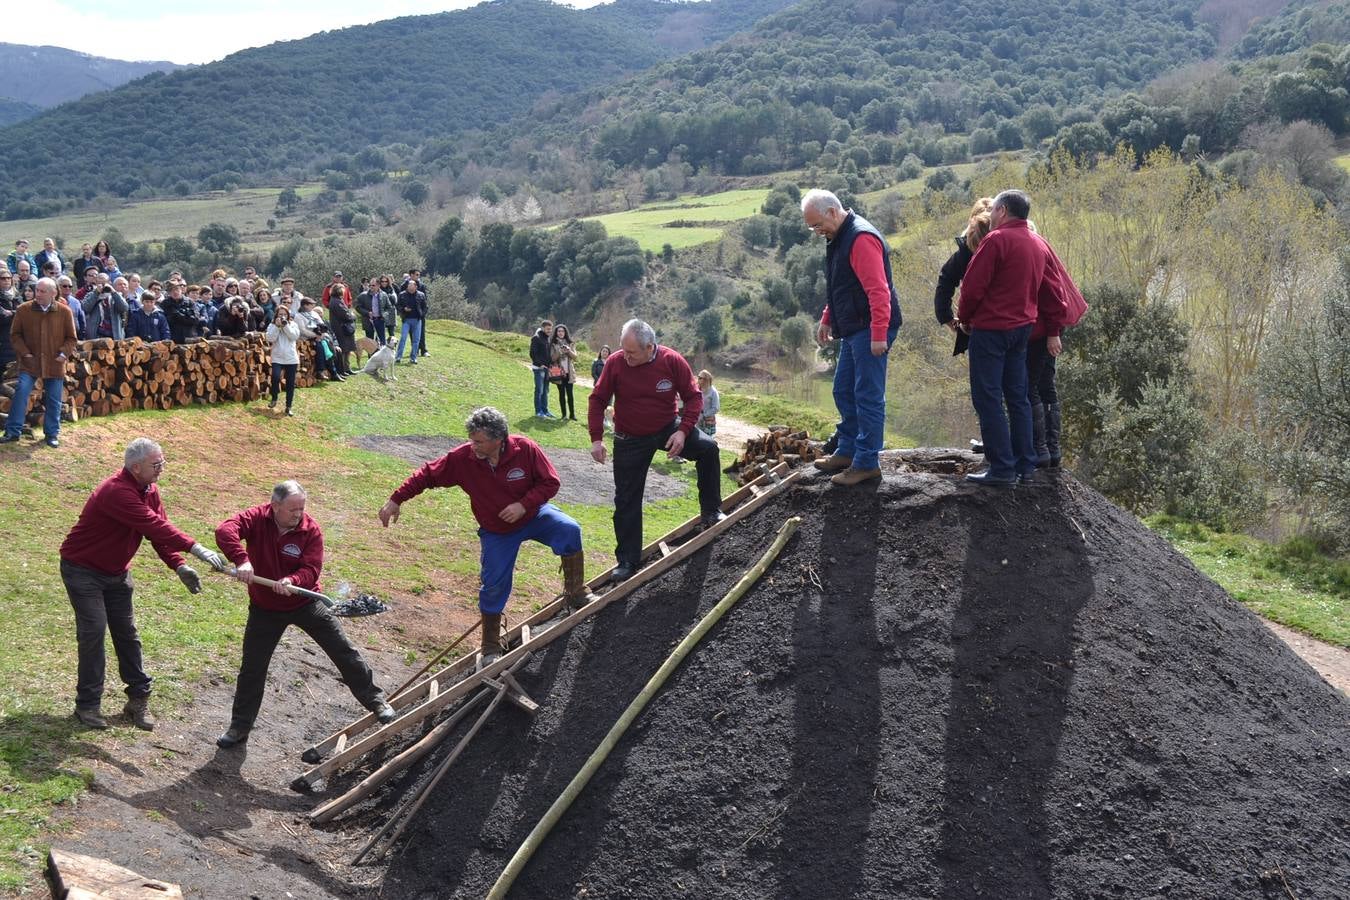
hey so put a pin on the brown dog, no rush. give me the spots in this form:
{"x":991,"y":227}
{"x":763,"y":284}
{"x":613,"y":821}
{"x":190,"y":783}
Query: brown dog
{"x":367,"y":346}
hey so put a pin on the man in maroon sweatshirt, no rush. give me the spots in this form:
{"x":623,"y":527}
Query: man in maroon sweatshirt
{"x":279,"y":541}
{"x":509,"y":481}
{"x":644,"y":379}
{"x":1013,"y":279}
{"x":96,"y":570}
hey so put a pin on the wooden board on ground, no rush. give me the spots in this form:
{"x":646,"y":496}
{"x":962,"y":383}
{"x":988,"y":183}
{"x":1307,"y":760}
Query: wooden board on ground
{"x":73,"y":875}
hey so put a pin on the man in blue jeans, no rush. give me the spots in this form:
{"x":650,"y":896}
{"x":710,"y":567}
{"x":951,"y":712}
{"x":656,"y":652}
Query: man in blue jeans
{"x":1001,"y":297}
{"x":863,"y":311}
{"x":43,"y":337}
{"x":412,"y":309}
{"x":540,"y":359}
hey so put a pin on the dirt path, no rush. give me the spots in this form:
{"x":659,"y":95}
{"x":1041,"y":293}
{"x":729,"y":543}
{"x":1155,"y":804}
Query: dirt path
{"x":1330,"y":661}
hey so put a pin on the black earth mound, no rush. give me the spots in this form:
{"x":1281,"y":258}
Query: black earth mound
{"x":938,"y":691}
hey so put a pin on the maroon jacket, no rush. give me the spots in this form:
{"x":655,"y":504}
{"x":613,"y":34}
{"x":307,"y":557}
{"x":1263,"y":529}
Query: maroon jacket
{"x":1013,"y":280}
{"x":117,"y":515}
{"x":646,"y":395}
{"x":523,"y":475}
{"x":297,"y":554}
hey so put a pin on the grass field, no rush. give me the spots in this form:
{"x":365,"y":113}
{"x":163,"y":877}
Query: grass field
{"x":1344,"y":162}
{"x":247,"y":210}
{"x":222,"y":459}
{"x":652,"y":224}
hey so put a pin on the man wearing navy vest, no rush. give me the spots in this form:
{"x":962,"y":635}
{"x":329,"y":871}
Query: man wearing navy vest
{"x":863,"y":311}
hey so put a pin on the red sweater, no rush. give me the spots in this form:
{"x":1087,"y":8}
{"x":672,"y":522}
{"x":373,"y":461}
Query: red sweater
{"x":117,"y":515}
{"x":1002,"y":289}
{"x":297,"y":554}
{"x":523,"y":475}
{"x":865,"y":258}
{"x":645,"y":395}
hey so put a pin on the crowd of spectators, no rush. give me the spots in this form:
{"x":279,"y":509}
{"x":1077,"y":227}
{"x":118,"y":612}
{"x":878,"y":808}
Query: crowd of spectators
{"x":108,"y":303}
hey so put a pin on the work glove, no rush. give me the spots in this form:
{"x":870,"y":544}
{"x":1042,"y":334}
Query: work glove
{"x":210,"y":557}
{"x":191,"y":580}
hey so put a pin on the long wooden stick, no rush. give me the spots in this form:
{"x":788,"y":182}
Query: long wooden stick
{"x":573,"y":790}
{"x":405,"y":813}
{"x":428,"y":706}
{"x":404,"y":760}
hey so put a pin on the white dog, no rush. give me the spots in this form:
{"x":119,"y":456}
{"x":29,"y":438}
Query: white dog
{"x":381,"y":362}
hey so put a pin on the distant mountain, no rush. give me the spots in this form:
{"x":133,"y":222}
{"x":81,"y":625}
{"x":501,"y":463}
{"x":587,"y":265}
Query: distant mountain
{"x":280,"y":109}
{"x":44,"y":77}
{"x":12,"y":111}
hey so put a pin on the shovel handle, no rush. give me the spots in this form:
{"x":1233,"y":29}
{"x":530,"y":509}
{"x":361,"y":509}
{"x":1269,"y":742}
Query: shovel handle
{"x":303,"y":592}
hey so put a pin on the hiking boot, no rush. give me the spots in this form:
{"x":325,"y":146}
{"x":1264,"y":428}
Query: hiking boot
{"x":855,"y":476}
{"x":621,"y":573}
{"x":1053,"y":423}
{"x":91,"y":717}
{"x":990,"y":480}
{"x":835,"y":463}
{"x":272,"y":404}
{"x":574,"y":580}
{"x":233,"y":737}
{"x":138,"y":711}
{"x":710,"y":520}
{"x":384,"y":713}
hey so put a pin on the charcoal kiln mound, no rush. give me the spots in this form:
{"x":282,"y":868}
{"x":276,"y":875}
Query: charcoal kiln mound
{"x":938,"y":690}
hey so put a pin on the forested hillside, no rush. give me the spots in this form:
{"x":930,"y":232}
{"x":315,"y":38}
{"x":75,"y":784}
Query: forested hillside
{"x":273,"y":111}
{"x":12,"y":111}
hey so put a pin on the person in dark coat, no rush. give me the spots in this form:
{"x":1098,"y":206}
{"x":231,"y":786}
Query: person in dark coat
{"x":954,"y":269}
{"x":412,"y":309}
{"x":184,"y":320}
{"x":9,"y":302}
{"x":343,"y":322}
{"x":148,"y":322}
{"x":540,"y":360}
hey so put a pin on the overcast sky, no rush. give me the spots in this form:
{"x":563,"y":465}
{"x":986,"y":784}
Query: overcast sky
{"x":202,"y":32}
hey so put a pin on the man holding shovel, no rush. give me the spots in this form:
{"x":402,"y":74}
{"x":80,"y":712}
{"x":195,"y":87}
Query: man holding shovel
{"x":509,"y":481}
{"x":96,"y":570}
{"x":279,"y":542}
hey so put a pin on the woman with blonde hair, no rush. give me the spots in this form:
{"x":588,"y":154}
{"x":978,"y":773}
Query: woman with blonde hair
{"x":954,"y":269}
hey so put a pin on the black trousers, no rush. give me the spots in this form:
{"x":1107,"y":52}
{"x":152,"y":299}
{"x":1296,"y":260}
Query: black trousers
{"x":632,"y":458}
{"x":102,"y":603}
{"x":264,"y":630}
{"x":1041,"y":374}
{"x":567,"y":404}
{"x":287,"y":369}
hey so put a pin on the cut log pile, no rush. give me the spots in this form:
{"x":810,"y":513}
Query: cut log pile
{"x":107,"y":376}
{"x":779,"y":444}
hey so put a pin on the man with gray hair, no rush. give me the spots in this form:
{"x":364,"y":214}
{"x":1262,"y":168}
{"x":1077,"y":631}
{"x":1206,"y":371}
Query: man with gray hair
{"x":42,"y":335}
{"x":279,"y":541}
{"x":862,"y":309}
{"x":509,"y":481}
{"x":96,"y":570}
{"x":645,"y":379}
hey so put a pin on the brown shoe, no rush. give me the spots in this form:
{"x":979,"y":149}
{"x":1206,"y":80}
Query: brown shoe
{"x":834,"y":463}
{"x":491,"y":648}
{"x":91,"y":717}
{"x":138,"y":711}
{"x":574,"y":580}
{"x":855,"y":476}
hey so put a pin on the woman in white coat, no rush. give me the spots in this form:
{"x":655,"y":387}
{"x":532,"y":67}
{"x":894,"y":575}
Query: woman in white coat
{"x":283,"y":334}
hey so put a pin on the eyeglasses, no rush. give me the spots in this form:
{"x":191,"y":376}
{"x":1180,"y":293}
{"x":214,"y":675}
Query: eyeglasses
{"x":158,"y":464}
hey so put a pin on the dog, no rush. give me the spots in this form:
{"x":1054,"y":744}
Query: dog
{"x":381,"y":362}
{"x":365,"y":347}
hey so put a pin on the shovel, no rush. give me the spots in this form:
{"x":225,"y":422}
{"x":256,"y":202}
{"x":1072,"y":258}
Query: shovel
{"x":303,"y":592}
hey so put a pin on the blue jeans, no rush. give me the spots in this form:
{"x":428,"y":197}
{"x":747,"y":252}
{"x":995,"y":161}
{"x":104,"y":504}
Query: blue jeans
{"x":540,"y":390}
{"x":411,"y":328}
{"x":18,"y":409}
{"x":998,"y":378}
{"x":860,"y":395}
{"x":550,"y":526}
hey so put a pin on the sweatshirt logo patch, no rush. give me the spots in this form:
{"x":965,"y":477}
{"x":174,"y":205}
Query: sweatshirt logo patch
{"x":290,"y":549}
{"x":515,"y":474}
{"x":664,"y":385}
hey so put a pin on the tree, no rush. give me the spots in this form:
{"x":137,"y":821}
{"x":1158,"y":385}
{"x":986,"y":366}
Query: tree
{"x":699,"y":295}
{"x":446,"y":299}
{"x":709,"y":330}
{"x":288,"y":199}
{"x":415,"y":192}
{"x":359,"y":257}
{"x":796,"y":334}
{"x":219,"y":240}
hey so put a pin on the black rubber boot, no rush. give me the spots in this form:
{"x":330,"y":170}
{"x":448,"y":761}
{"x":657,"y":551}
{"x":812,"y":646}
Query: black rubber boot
{"x":1038,"y":436}
{"x":1052,"y":430}
{"x":138,"y":711}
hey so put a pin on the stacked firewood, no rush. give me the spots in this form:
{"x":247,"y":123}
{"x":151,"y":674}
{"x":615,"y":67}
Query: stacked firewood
{"x":779,"y":444}
{"x":107,"y":376}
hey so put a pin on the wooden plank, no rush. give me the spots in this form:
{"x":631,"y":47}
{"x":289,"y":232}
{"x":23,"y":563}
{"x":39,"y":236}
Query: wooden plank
{"x":430,"y":706}
{"x":77,"y":875}
{"x":342,"y":743}
{"x":516,"y":694}
{"x":433,"y":688}
{"x":449,"y":675}
{"x":665,"y":548}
